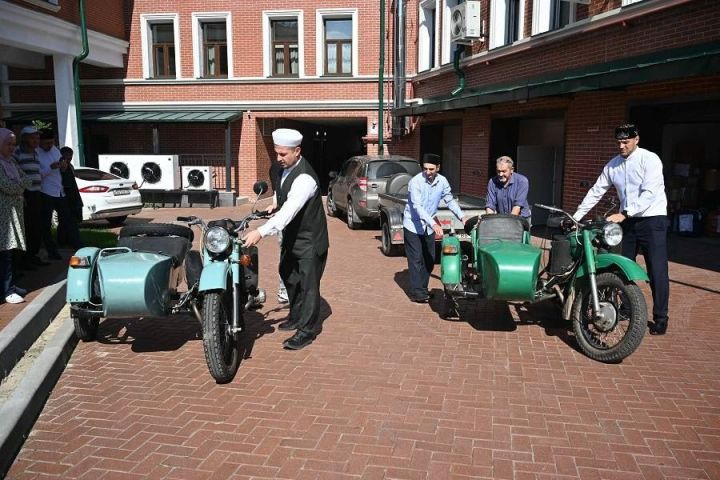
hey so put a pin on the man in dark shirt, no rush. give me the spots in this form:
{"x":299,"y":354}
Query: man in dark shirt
{"x":304,"y":251}
{"x":508,"y":190}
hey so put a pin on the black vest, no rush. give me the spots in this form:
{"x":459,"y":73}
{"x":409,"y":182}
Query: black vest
{"x":306,"y":235}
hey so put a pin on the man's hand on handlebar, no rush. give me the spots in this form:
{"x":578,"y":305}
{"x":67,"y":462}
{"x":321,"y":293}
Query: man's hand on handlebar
{"x":251,"y":238}
{"x":438,"y":231}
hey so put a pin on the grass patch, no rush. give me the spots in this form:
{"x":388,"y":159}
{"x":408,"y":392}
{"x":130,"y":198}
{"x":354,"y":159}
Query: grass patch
{"x":98,"y":238}
{"x":93,"y":237}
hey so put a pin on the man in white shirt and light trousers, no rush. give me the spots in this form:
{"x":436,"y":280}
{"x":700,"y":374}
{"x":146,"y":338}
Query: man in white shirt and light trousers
{"x":637,"y":175}
{"x":301,"y":219}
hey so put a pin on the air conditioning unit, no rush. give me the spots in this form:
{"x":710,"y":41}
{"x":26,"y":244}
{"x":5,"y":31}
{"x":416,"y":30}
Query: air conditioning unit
{"x":465,"y":22}
{"x":120,"y":165}
{"x":196,"y":178}
{"x":159,"y":172}
{"x":150,"y":172}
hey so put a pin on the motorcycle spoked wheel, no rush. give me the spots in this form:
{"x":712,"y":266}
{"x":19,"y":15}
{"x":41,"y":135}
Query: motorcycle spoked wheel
{"x":220,"y":344}
{"x":620,"y":337}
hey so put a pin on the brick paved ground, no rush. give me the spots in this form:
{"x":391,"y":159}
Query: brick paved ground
{"x":390,"y":390}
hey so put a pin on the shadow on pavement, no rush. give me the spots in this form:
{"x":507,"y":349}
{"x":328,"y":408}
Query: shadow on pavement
{"x":150,"y":334}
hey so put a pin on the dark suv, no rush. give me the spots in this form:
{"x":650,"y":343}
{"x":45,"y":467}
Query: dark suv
{"x":354,"y":190}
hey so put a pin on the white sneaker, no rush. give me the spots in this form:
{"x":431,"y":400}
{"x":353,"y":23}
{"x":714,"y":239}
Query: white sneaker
{"x":14,"y":298}
{"x":20,"y":291}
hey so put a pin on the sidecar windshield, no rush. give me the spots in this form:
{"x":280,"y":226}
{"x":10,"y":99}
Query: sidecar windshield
{"x":492,"y":228}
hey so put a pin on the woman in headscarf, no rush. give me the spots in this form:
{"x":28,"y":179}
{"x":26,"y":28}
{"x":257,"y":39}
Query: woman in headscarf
{"x":13,"y":183}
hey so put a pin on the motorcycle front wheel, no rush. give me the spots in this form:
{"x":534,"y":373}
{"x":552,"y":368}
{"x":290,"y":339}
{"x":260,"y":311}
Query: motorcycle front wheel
{"x":619,"y":333}
{"x":221,"y":346}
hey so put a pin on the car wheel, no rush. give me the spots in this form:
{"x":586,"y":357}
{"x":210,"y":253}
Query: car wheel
{"x":331,"y":207}
{"x":353,"y":221}
{"x":386,"y":245}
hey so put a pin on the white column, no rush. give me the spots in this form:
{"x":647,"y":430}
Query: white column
{"x":65,"y":102}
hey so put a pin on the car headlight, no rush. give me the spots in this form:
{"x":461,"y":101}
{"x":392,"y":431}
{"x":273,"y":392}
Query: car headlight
{"x":612,"y":234}
{"x":217,"y":240}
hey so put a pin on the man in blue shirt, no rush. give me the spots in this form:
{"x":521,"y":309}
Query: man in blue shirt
{"x":507,"y":191}
{"x":425,"y":192}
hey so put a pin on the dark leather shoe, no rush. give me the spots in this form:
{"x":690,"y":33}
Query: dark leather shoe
{"x":288,"y":325}
{"x":659,"y":327}
{"x":299,"y":340}
{"x":420,"y":299}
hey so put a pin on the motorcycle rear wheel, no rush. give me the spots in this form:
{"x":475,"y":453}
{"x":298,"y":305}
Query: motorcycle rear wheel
{"x":220,"y":344}
{"x":610,"y":344}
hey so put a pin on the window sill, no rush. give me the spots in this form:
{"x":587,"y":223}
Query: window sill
{"x":44,"y":4}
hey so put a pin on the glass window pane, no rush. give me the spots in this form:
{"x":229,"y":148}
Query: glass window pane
{"x":347,"y":58}
{"x":171,"y":58}
{"x":223,"y":61}
{"x":338,"y":29}
{"x":285,"y":30}
{"x":162,"y":33}
{"x":331,"y":58}
{"x":294,"y":58}
{"x":210,"y":62}
{"x":279,"y":60}
{"x":214,"y":31}
{"x":160,"y":62}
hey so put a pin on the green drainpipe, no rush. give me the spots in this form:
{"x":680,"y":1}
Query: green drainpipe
{"x":381,"y":148}
{"x":80,"y":153}
{"x":458,"y":71}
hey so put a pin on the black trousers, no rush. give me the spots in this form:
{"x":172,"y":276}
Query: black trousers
{"x":302,"y":276}
{"x":649,"y":236}
{"x":58,"y":204}
{"x":420,"y":253}
{"x":32,"y":213}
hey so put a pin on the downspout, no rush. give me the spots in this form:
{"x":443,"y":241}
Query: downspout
{"x":80,"y":153}
{"x":458,"y":71}
{"x":399,"y":70}
{"x":381,"y":148}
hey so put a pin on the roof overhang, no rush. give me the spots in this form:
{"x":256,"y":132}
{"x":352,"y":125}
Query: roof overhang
{"x":664,"y":65}
{"x":139,"y":117}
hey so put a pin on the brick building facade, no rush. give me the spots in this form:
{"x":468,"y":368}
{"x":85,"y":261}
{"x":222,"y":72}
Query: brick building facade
{"x":551,"y":87}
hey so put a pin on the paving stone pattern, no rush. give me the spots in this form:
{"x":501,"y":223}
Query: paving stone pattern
{"x":389,"y":390}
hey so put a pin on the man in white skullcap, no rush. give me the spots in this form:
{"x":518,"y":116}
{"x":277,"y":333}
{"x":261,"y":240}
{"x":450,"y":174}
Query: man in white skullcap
{"x":301,"y":219}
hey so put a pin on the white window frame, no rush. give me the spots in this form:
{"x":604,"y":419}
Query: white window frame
{"x":498,"y":22}
{"x":625,"y":3}
{"x":205,"y":17}
{"x":448,"y":47}
{"x":146,"y":21}
{"x":424,"y":35}
{"x":268,"y":16}
{"x":541,"y":21}
{"x":331,"y":13}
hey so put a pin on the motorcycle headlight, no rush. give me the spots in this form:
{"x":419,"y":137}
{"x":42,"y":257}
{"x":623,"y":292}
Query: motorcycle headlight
{"x":612,"y":234}
{"x":217,"y":240}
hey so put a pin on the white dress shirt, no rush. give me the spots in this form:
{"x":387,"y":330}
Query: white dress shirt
{"x":302,"y":190}
{"x":639,"y":182}
{"x":51,"y":178}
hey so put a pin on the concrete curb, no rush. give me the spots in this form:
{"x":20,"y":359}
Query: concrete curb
{"x":25,"y":328}
{"x":20,"y":411}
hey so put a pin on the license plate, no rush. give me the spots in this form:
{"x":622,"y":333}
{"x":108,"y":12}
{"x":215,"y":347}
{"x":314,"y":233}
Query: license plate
{"x":121,"y":191}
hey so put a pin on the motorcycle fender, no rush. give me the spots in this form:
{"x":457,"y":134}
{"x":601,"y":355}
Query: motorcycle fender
{"x":451,"y":263}
{"x":629,"y":268}
{"x":214,"y":276}
{"x":79,"y":280}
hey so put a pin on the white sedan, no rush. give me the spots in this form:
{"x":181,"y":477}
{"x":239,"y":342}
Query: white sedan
{"x":107,"y":196}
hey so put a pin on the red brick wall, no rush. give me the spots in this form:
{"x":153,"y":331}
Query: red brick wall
{"x":105,"y":16}
{"x":691,"y":23}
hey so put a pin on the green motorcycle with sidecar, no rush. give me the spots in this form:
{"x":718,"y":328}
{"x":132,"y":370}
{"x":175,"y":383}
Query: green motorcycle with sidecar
{"x":595,"y":289}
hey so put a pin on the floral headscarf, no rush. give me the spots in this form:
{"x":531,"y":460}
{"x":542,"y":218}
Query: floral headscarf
{"x":7,"y":163}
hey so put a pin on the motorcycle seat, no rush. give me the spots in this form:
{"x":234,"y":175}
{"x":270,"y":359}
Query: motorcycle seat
{"x":170,"y":246}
